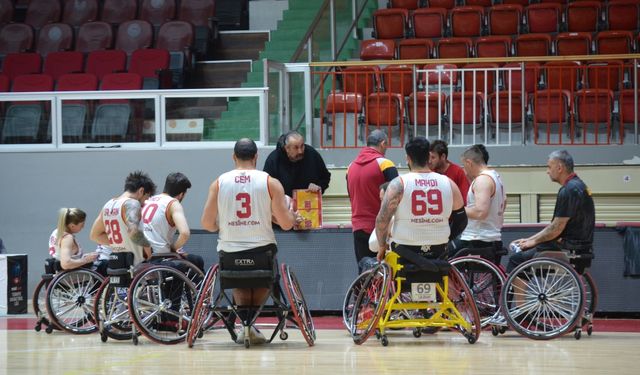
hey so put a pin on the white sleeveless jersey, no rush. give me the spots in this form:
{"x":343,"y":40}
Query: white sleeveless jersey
{"x":244,"y":210}
{"x":159,"y":228}
{"x":113,"y":216}
{"x":490,"y":228}
{"x":422,"y":216}
{"x":54,"y":249}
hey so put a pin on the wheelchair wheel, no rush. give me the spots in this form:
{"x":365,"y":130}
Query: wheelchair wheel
{"x":112,"y":313}
{"x":485,"y":280}
{"x":298,"y":304}
{"x":543,"y":298}
{"x":204,"y":301}
{"x":370,"y":303}
{"x":350,"y":298}
{"x":590,"y":303}
{"x":462,"y":298}
{"x":189,"y":269}
{"x":161,"y":301}
{"x":39,"y":301}
{"x":70,"y":298}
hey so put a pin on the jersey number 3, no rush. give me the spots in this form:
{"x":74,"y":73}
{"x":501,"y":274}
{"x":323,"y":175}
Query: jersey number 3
{"x":426,"y":201}
{"x":245,"y":205}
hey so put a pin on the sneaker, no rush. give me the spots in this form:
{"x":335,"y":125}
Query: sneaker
{"x":240,"y":337}
{"x":256,"y":337}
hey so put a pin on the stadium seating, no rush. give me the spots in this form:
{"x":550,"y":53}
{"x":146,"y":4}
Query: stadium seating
{"x":117,"y":12}
{"x":551,"y":114}
{"x":429,"y":22}
{"x":152,"y":65}
{"x":54,"y":37}
{"x":94,"y":36}
{"x":478,"y":79}
{"x":454,"y":48}
{"x":42,"y":12}
{"x":505,"y":19}
{"x":420,"y":48}
{"x":467,"y":21}
{"x":74,"y":112}
{"x":563,"y":75}
{"x":111,"y":118}
{"x":106,"y":62}
{"x":15,"y":37}
{"x":583,"y":16}
{"x":568,"y":44}
{"x":593,"y":110}
{"x":16,"y":64}
{"x":133,"y":35}
{"x":623,"y":15}
{"x":377,"y":49}
{"x":493,"y":46}
{"x":429,"y":110}
{"x":614,"y":42}
{"x":390,"y":23}
{"x":76,"y":13}
{"x":544,"y":17}
{"x":63,"y":62}
{"x":157,"y":12}
{"x":533,"y":45}
{"x":22,"y":119}
{"x":397,"y":79}
{"x":6,"y":12}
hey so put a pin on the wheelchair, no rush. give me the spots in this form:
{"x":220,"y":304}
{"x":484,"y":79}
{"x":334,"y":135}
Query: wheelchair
{"x":398,"y":294}
{"x":63,"y":300}
{"x":216,"y":309}
{"x":154,"y":299}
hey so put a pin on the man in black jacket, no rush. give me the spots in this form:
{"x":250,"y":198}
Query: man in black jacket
{"x":297,"y":165}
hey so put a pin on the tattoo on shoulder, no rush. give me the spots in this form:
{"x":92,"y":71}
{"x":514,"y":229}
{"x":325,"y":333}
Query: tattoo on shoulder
{"x":391,"y":200}
{"x":133,"y":213}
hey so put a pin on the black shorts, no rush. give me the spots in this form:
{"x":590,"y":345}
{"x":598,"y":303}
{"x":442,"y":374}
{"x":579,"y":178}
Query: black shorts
{"x":259,"y":258}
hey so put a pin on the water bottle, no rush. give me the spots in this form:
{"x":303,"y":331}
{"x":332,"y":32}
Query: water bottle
{"x":515,"y":248}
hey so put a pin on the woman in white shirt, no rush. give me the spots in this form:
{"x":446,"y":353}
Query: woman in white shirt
{"x":62,"y":242}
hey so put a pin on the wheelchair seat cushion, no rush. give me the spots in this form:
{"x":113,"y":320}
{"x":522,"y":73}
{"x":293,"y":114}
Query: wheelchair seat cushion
{"x":255,"y":268}
{"x":122,"y":260}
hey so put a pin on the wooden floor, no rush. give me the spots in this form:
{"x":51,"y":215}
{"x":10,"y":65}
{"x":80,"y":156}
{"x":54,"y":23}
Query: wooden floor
{"x":30,"y":352}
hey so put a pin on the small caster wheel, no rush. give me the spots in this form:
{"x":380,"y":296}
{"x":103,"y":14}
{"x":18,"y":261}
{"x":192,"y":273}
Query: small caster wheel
{"x":503,"y":330}
{"x":589,"y":330}
{"x":38,"y":327}
{"x":49,"y":329}
{"x":135,"y":339}
{"x":495,"y":331}
{"x":378,"y":336}
{"x":417,"y":333}
{"x":200,"y":333}
{"x":577,"y":334}
{"x":472,"y":339}
{"x":384,"y":340}
{"x":247,"y":344}
{"x":103,"y":337}
{"x":284,"y":335}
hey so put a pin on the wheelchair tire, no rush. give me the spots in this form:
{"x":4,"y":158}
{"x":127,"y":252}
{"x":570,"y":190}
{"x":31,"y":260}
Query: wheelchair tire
{"x":298,"y":304}
{"x":112,"y":313}
{"x":590,"y":303}
{"x":204,"y":301}
{"x":350,"y":299}
{"x":189,"y":269}
{"x":462,"y":297}
{"x":485,"y":280}
{"x":152,"y":307}
{"x":39,"y":303}
{"x":370,"y":303}
{"x":543,"y":298}
{"x":70,"y":299}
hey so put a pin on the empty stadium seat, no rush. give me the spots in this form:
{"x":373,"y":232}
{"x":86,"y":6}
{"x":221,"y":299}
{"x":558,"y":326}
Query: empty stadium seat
{"x":454,"y":48}
{"x":428,"y":110}
{"x":480,"y":3}
{"x":54,"y":37}
{"x":481,"y":75}
{"x":440,"y":76}
{"x":493,"y":46}
{"x":614,"y":42}
{"x":118,"y":11}
{"x":406,"y":4}
{"x":133,"y":35}
{"x":79,"y":12}
{"x":177,"y":37}
{"x":360,"y":79}
{"x":16,"y":64}
{"x":342,"y":111}
{"x":74,"y":112}
{"x":22,"y":119}
{"x":467,"y":113}
{"x":593,"y":110}
{"x":507,"y":108}
{"x":157,"y":12}
{"x":32,"y":83}
{"x":419,"y":48}
{"x":447,"y":4}
{"x":533,"y":45}
{"x":429,"y":22}
{"x":385,"y":111}
{"x":201,"y":14}
{"x":628,"y":112}
{"x":15,"y":37}
{"x":551,"y":114}
{"x":563,"y":75}
{"x":543,"y":18}
{"x":94,"y":36}
{"x":583,"y":16}
{"x":522,"y":3}
{"x":378,"y":49}
{"x":106,"y":62}
{"x":467,"y":21}
{"x":513,"y":80}
{"x":623,"y":15}
{"x":42,"y":12}
{"x":63,"y":62}
{"x":152,"y":64}
{"x":605,"y":75}
{"x":505,"y":19}
{"x":568,"y":44}
{"x":398,"y":79}
{"x":111,"y":119}
{"x":77,"y":82}
{"x":6,"y":12}
{"x":390,"y":23}
{"x":4,"y":83}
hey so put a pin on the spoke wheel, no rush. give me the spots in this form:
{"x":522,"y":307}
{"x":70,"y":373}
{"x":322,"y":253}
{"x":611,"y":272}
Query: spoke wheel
{"x":204,"y":302}
{"x":112,"y":313}
{"x":370,"y":303}
{"x":298,"y":304}
{"x":350,"y":298}
{"x":70,"y":298}
{"x":462,"y":297}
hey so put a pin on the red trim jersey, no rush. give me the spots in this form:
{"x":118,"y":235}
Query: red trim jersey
{"x":159,"y":228}
{"x":115,"y":225}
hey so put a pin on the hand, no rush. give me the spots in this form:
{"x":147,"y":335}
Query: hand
{"x":90,"y":257}
{"x":299,"y":218}
{"x":381,"y":253}
{"x":289,"y":202}
{"x":524,"y":243}
{"x":314,"y":187}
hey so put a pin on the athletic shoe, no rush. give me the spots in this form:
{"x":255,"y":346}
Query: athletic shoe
{"x":256,"y":337}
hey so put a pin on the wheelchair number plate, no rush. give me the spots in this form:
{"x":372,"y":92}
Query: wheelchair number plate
{"x":114,"y":279}
{"x":424,"y":292}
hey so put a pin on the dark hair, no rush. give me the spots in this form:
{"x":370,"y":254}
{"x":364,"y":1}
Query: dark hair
{"x":176,"y":183}
{"x":139,"y":179}
{"x":418,"y":150}
{"x":376,"y":137}
{"x":245,"y":149}
{"x":477,"y":153}
{"x":439,"y":147}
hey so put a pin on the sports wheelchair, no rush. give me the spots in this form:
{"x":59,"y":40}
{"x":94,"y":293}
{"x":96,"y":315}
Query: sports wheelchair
{"x":63,"y":300}
{"x":154,"y":299}
{"x":215,"y":309}
{"x":426,"y":295}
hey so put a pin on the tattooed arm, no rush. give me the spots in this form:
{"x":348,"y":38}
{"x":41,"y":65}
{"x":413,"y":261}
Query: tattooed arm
{"x":132,"y":218}
{"x":388,"y":208}
{"x":549,"y":233}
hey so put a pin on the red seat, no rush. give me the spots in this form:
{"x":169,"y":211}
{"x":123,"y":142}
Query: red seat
{"x":344,"y":102}
{"x":440,"y":75}
{"x":74,"y":112}
{"x":467,"y":21}
{"x":198,"y":12}
{"x":563,"y":75}
{"x":390,"y":23}
{"x":6,"y":11}
{"x":16,"y":64}
{"x":571,"y":44}
{"x":605,"y":75}
{"x":118,"y":11}
{"x":493,"y":46}
{"x":480,"y":3}
{"x":397,"y":78}
{"x":506,"y":107}
{"x":522,"y":3}
{"x":42,"y":12}
{"x":429,"y":22}
{"x":386,"y":110}
{"x":627,"y":109}
{"x":16,"y":37}
{"x":543,"y":18}
{"x":623,"y":15}
{"x":63,"y":62}
{"x":481,"y":75}
{"x":551,"y":114}
{"x":134,"y":35}
{"x":54,"y":37}
{"x":454,"y":48}
{"x":112,"y":116}
{"x":77,"y":82}
{"x":532,"y":74}
{"x":430,"y":108}
{"x":593,"y":116}
{"x":420,"y":48}
{"x":533,"y":45}
{"x":23,"y":119}
{"x":4,"y":83}
{"x":106,"y":62}
{"x":583,"y":16}
{"x":504,"y":19}
{"x":377,"y":49}
{"x":121,"y":81}
{"x":360,"y":79}
{"x":157,"y":12}
{"x":614,"y":42}
{"x":342,"y":111}
{"x":406,"y":4}
{"x":177,"y":38}
{"x":94,"y":36}
{"x":471,"y":111}
{"x":79,"y":12}
{"x":447,"y":4}
{"x":152,"y":65}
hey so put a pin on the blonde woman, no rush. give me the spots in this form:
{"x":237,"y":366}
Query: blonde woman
{"x":63,"y":244}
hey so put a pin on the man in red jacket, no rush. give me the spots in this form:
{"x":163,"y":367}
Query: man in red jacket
{"x":365,"y":174}
{"x":439,"y":162}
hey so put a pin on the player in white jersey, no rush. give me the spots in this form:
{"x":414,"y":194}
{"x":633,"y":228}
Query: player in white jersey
{"x":118,"y":225}
{"x":63,"y":244}
{"x":163,"y":216}
{"x":240,"y":206}
{"x":486,"y":202}
{"x":425,"y":207}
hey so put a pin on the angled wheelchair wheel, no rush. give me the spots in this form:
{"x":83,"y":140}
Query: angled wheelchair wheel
{"x":204,"y":301}
{"x":112,"y":312}
{"x":70,"y":298}
{"x":350,"y":298}
{"x":590,"y":302}
{"x":485,"y":280}
{"x":298,"y":304}
{"x":462,"y":297}
{"x":543,"y":298}
{"x":370,"y":303}
{"x":189,"y":269}
{"x":161,"y":300}
{"x":39,"y":303}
